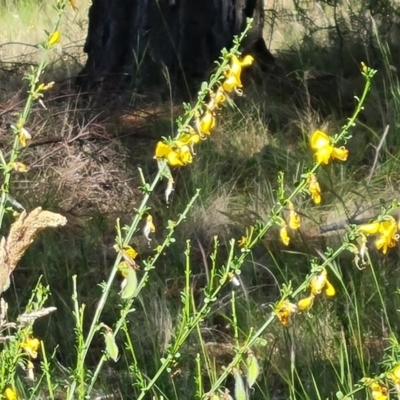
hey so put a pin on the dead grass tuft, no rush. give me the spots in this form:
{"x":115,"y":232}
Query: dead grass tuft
{"x":22,"y":234}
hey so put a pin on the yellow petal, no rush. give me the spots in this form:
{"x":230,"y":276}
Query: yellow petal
{"x":10,"y":394}
{"x":329,"y":289}
{"x":187,"y":139}
{"x":149,"y":221}
{"x":306,"y":304}
{"x":236,"y":66}
{"x":324,"y":154}
{"x":369,"y":229}
{"x":19,"y":167}
{"x":243,"y":241}
{"x":314,"y":189}
{"x":162,"y":150}
{"x":294,"y":220}
{"x":284,"y":310}
{"x":319,"y":140}
{"x":284,"y":235}
{"x":174,"y":160}
{"x":185,"y":155}
{"x":130,"y":252}
{"x":388,"y":226}
{"x":247,"y":61}
{"x":219,"y":97}
{"x":207,"y":123}
{"x":395,"y":374}
{"x":340,"y":153}
{"x":381,"y":244}
{"x":54,"y":38}
{"x":318,"y":282}
{"x":31,"y":346}
{"x":216,"y":99}
{"x":230,"y":84}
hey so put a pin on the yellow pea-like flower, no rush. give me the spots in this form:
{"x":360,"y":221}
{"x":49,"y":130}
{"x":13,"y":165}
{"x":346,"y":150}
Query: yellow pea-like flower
{"x":324,"y":151}
{"x":10,"y":394}
{"x":306,"y":303}
{"x":314,"y":189}
{"x":207,"y":123}
{"x":54,"y":38}
{"x":294,"y":219}
{"x":31,"y":346}
{"x":283,"y":310}
{"x":283,"y":233}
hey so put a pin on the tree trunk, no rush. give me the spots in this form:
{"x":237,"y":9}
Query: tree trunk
{"x":142,"y":42}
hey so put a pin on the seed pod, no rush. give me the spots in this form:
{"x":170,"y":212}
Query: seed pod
{"x":130,"y":283}
{"x":240,"y":390}
{"x":253,"y":369}
{"x":111,"y":347}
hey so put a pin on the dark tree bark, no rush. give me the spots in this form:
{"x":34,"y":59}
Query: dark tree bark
{"x":137,"y":41}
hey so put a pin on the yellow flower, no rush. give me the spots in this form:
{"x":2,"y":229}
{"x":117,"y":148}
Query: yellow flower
{"x":306,"y":303}
{"x":283,"y":310}
{"x":321,"y":143}
{"x":10,"y":394}
{"x":216,"y":99}
{"x":389,"y":236}
{"x":320,"y":282}
{"x":314,"y":189}
{"x":369,"y":229}
{"x":24,"y":136}
{"x":19,"y":166}
{"x":394,"y":374}
{"x":243,"y":241}
{"x":175,"y":157}
{"x":378,"y":391}
{"x":387,"y":230}
{"x":128,"y":253}
{"x":165,"y":151}
{"x":294,"y":219}
{"x":329,"y":289}
{"x":54,"y":38}
{"x":187,"y":139}
{"x":185,"y":154}
{"x":31,"y":346}
{"x":149,"y":227}
{"x":284,"y":235}
{"x":207,"y":123}
{"x":233,"y":79}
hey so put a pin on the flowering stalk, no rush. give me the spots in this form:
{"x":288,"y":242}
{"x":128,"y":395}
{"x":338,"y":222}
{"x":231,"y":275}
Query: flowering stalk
{"x":252,"y":340}
{"x":34,"y":93}
{"x":148,"y":189}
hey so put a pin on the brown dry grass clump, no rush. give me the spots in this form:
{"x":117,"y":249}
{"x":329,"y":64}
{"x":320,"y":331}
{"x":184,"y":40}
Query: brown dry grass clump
{"x":22,"y":234}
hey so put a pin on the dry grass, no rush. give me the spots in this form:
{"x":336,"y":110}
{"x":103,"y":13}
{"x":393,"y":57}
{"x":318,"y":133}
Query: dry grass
{"x":23,"y":28}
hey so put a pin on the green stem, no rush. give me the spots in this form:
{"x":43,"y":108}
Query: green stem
{"x":189,"y":116}
{"x":24,"y":116}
